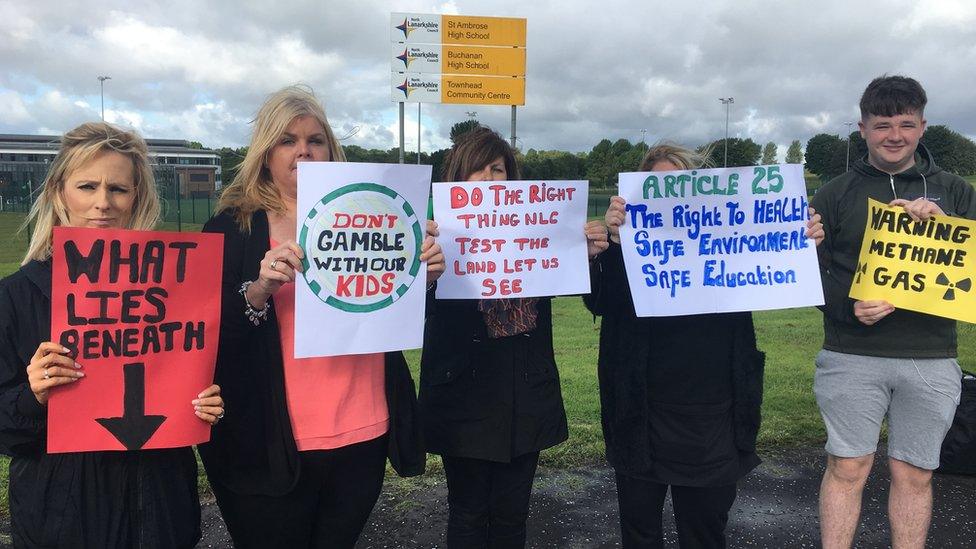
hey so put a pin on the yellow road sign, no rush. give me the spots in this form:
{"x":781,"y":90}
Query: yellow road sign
{"x":452,"y":59}
{"x":482,"y":31}
{"x":482,"y":90}
{"x":420,"y":28}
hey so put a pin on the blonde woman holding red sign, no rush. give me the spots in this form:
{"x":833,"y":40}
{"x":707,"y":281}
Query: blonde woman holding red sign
{"x":300,"y":462}
{"x":99,"y":179}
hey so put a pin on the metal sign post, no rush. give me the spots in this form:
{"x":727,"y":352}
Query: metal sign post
{"x":401,"y":132}
{"x":513,"y":125}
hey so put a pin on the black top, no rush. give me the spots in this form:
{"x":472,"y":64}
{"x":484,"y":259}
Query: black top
{"x":484,"y":398}
{"x":252,"y":450}
{"x":83,"y":499}
{"x":843,"y":205}
{"x":680,"y":396}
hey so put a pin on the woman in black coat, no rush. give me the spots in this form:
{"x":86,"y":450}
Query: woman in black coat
{"x":489,"y":389}
{"x":113,"y":499}
{"x":680,"y":397}
{"x":296,"y":471}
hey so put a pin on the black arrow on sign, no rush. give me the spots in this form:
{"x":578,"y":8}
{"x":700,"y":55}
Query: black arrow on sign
{"x":134,"y":428}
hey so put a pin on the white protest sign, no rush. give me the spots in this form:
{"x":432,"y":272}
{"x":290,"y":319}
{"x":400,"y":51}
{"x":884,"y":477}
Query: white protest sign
{"x":718,"y":240}
{"x":361,"y":227}
{"x":506,"y":239}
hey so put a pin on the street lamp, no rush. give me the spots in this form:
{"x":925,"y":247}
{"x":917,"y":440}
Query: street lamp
{"x":847,"y":163}
{"x":727,"y":101}
{"x":101,"y":85}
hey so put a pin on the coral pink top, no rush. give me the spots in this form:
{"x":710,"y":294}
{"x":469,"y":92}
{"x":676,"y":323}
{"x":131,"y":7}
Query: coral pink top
{"x":332,"y":401}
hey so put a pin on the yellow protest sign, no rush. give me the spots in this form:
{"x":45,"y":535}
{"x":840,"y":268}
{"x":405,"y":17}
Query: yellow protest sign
{"x":926,"y":266}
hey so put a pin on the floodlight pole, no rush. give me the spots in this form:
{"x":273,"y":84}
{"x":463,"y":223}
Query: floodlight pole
{"x":847,"y":163}
{"x":727,"y":101}
{"x":101,"y":85}
{"x":418,"y":132}
{"x":643,"y":143}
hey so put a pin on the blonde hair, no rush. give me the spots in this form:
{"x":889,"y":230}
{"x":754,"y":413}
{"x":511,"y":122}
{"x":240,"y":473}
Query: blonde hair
{"x":683,"y":158}
{"x":252,"y":188}
{"x":79,"y":146}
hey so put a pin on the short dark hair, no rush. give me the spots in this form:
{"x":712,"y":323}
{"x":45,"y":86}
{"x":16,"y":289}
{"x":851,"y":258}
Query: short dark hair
{"x":476,"y":149}
{"x":893,"y":95}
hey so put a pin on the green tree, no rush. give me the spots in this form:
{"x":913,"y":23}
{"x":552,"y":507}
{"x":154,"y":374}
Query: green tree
{"x":742,"y":152}
{"x":794,"y":155}
{"x":230,"y":160}
{"x":462,"y":128}
{"x":952,"y":151}
{"x":838,"y":163}
{"x":769,"y":154}
{"x":843,"y":154}
{"x":552,"y":165}
{"x":598,"y":164}
{"x":820,"y":148}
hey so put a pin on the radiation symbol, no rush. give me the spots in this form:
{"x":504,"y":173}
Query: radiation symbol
{"x":950,"y":294}
{"x":862,"y":268}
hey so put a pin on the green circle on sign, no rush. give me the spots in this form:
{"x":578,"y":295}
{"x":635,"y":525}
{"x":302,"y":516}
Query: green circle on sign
{"x":352,"y":217}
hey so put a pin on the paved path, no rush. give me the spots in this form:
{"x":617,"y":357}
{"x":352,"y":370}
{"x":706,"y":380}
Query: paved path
{"x":577,"y":508}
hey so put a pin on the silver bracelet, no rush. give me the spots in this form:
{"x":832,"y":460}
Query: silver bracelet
{"x":256,"y":316}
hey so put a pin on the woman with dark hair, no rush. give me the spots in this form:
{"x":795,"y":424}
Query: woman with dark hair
{"x":679,"y":396}
{"x":489,"y":390}
{"x":301,"y":461}
{"x":100,"y":179}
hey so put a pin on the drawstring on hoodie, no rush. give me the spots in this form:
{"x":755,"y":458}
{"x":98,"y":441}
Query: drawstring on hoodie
{"x":925,"y":186}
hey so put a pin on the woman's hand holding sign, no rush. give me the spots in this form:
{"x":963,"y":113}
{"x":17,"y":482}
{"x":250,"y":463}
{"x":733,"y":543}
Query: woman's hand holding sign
{"x":431,"y":252}
{"x":209,"y":406}
{"x":615,"y":217}
{"x":50,"y":367}
{"x":596,"y":238}
{"x":279,"y":267}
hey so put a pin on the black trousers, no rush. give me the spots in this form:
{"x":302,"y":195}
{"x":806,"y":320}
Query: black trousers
{"x":700,"y":514}
{"x":488,"y":501}
{"x":328,"y":507}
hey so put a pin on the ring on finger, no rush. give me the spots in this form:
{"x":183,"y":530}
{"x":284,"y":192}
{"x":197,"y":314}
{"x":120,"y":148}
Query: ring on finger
{"x":46,"y":374}
{"x":273,"y":263}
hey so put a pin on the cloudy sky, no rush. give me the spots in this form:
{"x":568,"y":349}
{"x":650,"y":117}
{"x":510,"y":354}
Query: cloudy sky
{"x":199,"y":70}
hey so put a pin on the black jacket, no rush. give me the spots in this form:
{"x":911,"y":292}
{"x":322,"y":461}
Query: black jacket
{"x":252,"y":450}
{"x":679,"y":396}
{"x":484,"y":398}
{"x":843,"y":205}
{"x":84,"y":499}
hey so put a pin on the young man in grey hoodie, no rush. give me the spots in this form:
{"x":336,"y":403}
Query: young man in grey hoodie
{"x":876,"y":360}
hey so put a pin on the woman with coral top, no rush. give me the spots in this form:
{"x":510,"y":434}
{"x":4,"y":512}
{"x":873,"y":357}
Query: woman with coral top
{"x":301,"y":463}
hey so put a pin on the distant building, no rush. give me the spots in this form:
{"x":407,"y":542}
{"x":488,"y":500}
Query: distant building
{"x":178,"y":168}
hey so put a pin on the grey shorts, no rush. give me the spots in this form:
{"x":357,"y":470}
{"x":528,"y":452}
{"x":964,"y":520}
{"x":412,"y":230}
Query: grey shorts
{"x":919,"y":396}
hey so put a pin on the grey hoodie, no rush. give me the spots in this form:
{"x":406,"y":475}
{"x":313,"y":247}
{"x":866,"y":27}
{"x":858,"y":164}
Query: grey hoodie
{"x":843,"y":205}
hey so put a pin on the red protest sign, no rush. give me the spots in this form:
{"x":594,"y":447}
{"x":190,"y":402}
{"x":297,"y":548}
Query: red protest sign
{"x":140,"y":311}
